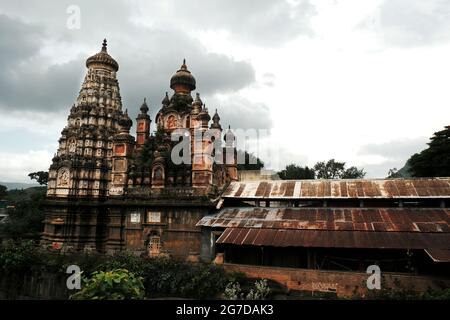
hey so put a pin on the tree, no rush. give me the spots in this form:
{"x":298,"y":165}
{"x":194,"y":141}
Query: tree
{"x":3,"y":191}
{"x":394,"y":173}
{"x":40,"y":176}
{"x":26,"y":218}
{"x":435,"y":160}
{"x":251,"y":161}
{"x":293,"y":171}
{"x":336,"y":170}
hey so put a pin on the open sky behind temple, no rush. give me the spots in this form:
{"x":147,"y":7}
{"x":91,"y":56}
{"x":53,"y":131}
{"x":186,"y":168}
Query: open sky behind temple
{"x":365,"y":82}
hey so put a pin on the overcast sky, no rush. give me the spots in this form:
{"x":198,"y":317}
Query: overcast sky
{"x":365,"y":82}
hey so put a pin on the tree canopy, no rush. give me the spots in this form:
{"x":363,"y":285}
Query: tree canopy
{"x":3,"y":191}
{"x":435,"y":160}
{"x":331,"y":169}
{"x":293,"y":171}
{"x":40,"y":176}
{"x":251,"y":161}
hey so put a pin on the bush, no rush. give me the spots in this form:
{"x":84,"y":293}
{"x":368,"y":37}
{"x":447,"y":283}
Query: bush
{"x":117,"y":284}
{"x":163,"y":277}
{"x":260,"y":291}
{"x":18,"y":256}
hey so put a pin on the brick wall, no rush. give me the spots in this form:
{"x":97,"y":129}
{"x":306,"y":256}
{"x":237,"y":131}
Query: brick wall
{"x":343,"y":283}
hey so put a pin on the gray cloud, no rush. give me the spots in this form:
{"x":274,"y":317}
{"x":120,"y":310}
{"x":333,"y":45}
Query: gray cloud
{"x":396,"y":149}
{"x":30,"y":82}
{"x":239,"y":112}
{"x":395,"y":153}
{"x":411,"y":23}
{"x":262,"y":22}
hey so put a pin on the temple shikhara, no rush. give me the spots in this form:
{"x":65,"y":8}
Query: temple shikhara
{"x":110,"y":190}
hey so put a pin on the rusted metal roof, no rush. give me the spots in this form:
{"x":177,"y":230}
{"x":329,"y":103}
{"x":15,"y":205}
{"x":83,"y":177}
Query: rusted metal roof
{"x":335,"y":239}
{"x":333,"y":189}
{"x":439,"y":255}
{"x":333,"y":219}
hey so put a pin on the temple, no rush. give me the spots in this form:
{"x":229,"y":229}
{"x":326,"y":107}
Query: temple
{"x":174,"y":190}
{"x":110,"y":191}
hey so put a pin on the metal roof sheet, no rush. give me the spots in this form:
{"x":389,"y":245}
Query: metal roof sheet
{"x":439,"y":242}
{"x":339,"y":219}
{"x":333,"y":189}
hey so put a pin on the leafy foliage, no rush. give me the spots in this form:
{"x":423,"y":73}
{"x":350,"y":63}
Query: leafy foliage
{"x":17,"y":256}
{"x":168,"y":277}
{"x":251,"y":161}
{"x":233,"y":291}
{"x":322,"y":170}
{"x":260,"y":291}
{"x":146,"y":156}
{"x":2,"y":191}
{"x":336,"y":170}
{"x":26,"y":218}
{"x":394,"y":173}
{"x":40,"y":176}
{"x":435,"y":160}
{"x":293,"y":171}
{"x":117,"y":284}
{"x":409,"y":294}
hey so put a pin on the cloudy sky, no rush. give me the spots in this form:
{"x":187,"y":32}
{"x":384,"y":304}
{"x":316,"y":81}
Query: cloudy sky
{"x":364,"y":82}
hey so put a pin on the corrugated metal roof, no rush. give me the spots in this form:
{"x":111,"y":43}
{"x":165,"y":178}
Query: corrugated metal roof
{"x":337,"y":239}
{"x":439,"y":255}
{"x":348,"y":219}
{"x":332,"y":189}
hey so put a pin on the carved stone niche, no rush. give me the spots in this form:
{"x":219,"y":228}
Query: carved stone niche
{"x":63,"y":177}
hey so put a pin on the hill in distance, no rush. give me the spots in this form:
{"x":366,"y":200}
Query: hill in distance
{"x":18,"y":185}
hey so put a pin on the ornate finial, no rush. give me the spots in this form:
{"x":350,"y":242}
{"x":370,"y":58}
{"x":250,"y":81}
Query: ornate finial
{"x":166,"y":100}
{"x":183,"y":66}
{"x":104,"y":45}
{"x":144,"y":107}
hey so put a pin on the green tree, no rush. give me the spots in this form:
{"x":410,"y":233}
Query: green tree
{"x":3,"y":192}
{"x":333,"y":169}
{"x":251,"y":161}
{"x":293,"y":171}
{"x":26,"y":218}
{"x":435,"y":160}
{"x":394,"y":173}
{"x":117,"y":284}
{"x":40,"y":176}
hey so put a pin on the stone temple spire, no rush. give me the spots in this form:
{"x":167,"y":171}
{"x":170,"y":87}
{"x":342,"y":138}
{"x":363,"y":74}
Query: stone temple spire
{"x":87,"y":138}
{"x":216,"y":120}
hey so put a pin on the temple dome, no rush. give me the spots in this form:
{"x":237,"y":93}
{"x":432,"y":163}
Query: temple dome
{"x":182,"y":81}
{"x":103,"y":58}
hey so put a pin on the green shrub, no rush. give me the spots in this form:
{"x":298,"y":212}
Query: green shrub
{"x":18,"y":256}
{"x":260,"y":291}
{"x":117,"y":284}
{"x":233,"y":291}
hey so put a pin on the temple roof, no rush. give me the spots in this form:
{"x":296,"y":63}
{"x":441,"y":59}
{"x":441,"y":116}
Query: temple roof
{"x":183,"y":77}
{"x":103,"y":58}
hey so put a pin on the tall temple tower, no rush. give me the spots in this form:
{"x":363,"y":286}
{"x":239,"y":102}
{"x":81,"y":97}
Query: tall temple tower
{"x":81,"y":169}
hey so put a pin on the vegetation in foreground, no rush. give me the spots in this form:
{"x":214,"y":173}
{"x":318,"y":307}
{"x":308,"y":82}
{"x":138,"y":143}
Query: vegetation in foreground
{"x":120,"y":276}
